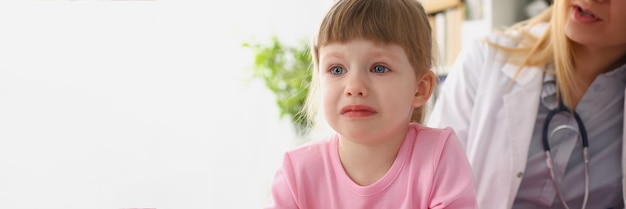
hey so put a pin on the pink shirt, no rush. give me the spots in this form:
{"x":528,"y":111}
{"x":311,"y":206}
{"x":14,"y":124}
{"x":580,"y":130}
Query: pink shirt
{"x":430,"y":171}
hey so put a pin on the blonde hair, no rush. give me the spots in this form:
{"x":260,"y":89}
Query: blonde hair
{"x":402,"y":22}
{"x":553,"y":47}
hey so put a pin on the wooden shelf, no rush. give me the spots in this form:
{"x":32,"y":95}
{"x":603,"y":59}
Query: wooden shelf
{"x":435,"y":6}
{"x":445,"y":18}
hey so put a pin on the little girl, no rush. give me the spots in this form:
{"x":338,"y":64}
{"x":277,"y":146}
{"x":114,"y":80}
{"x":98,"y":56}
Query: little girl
{"x":372,"y":77}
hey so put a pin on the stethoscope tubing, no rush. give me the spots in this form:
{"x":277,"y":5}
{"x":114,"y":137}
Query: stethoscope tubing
{"x":585,"y":142}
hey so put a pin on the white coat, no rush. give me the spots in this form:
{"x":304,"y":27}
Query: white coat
{"x":494,"y":115}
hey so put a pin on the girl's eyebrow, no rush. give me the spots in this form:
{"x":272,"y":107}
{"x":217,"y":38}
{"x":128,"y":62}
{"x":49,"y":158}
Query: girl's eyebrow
{"x":384,"y":56}
{"x":334,"y":55}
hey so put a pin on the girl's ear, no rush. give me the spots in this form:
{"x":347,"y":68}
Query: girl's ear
{"x":425,"y":86}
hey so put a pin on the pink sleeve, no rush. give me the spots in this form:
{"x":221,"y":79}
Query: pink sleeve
{"x":453,"y":183}
{"x":282,"y":192}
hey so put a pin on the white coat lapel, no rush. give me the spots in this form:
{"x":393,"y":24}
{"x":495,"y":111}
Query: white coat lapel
{"x":521,"y":104}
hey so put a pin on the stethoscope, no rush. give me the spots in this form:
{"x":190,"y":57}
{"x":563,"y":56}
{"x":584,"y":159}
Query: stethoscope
{"x":582,"y":133}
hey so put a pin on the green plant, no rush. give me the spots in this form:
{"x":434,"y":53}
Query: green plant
{"x":286,"y":72}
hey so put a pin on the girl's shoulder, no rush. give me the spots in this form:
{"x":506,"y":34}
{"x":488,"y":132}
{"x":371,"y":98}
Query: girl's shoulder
{"x":431,"y":133}
{"x":434,"y":141}
{"x":312,"y":152}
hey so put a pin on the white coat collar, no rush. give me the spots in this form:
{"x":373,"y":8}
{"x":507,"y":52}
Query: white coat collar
{"x":528,"y":73}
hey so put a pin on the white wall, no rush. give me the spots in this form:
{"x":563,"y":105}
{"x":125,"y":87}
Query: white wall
{"x":131,"y":104}
{"x":503,"y":13}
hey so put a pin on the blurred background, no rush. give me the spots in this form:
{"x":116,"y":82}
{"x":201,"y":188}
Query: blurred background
{"x":166,"y":104}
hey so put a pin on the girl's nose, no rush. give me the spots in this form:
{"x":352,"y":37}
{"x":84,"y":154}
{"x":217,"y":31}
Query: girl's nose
{"x":355,"y":92}
{"x":356,"y":86}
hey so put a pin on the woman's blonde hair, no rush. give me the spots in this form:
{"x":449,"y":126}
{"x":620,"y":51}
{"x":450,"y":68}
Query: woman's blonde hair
{"x":553,"y":47}
{"x":402,"y":22}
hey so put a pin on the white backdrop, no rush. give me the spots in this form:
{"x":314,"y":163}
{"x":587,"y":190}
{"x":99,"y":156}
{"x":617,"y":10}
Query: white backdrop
{"x":140,"y":104}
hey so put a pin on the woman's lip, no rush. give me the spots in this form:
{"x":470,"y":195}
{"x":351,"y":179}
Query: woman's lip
{"x":577,"y":8}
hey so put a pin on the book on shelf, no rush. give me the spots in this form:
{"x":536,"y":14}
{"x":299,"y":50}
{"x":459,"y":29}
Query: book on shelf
{"x":446,"y":18}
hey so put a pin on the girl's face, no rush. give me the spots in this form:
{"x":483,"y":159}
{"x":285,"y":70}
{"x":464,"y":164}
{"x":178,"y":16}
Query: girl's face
{"x":597,"y":23}
{"x":368,"y":90}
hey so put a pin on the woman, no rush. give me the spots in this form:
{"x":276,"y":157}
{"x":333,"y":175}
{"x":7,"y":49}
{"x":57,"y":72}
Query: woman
{"x":565,"y":70}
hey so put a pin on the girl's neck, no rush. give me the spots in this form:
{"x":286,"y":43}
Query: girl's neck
{"x":365,"y":164}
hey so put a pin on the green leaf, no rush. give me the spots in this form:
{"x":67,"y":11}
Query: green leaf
{"x":285,"y":71}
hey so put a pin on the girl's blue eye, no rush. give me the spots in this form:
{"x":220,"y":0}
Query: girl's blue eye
{"x":336,"y":70}
{"x":380,"y":69}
